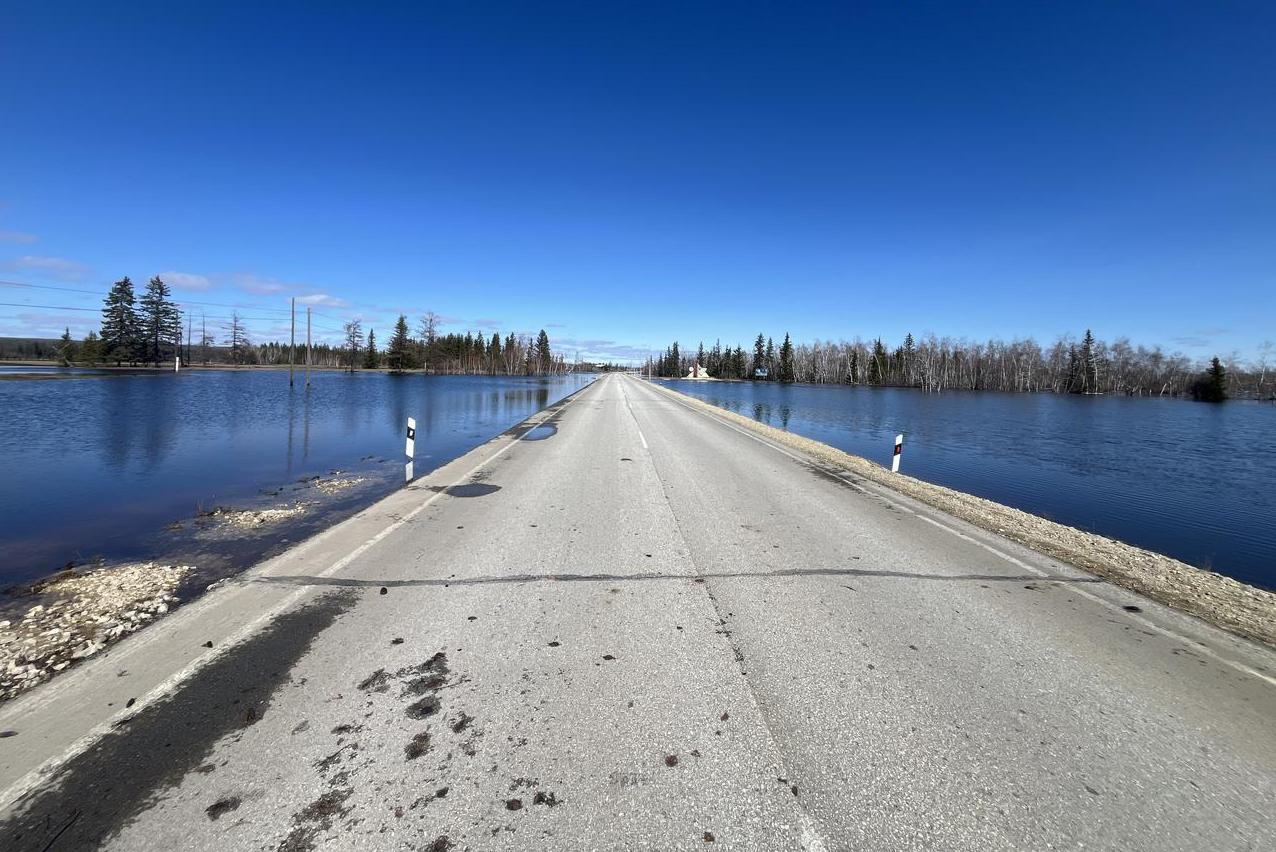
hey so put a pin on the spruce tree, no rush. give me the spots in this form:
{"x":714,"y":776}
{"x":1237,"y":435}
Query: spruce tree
{"x":543,"y":355}
{"x":770,"y":359}
{"x":161,"y":321}
{"x":1211,"y":387}
{"x":1090,"y":364}
{"x":877,"y":364}
{"x":91,"y":348}
{"x":371,"y":358}
{"x":66,"y":348}
{"x":494,"y":353}
{"x":759,"y":355}
{"x":398,"y":354}
{"x":786,"y":360}
{"x":119,"y":323}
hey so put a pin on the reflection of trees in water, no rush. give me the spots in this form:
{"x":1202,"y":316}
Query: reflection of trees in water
{"x":139,"y":416}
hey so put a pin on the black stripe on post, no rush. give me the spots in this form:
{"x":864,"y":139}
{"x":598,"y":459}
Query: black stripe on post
{"x":411,"y":433}
{"x":899,"y":449}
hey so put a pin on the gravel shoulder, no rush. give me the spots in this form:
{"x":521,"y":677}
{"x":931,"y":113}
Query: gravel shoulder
{"x":1242,"y":609}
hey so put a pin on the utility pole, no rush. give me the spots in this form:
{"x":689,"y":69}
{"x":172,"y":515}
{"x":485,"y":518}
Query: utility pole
{"x":307,"y":348}
{"x":292,"y":341}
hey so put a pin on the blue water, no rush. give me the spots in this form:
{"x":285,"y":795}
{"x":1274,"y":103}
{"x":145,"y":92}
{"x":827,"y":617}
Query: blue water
{"x":98,"y":463}
{"x":1191,"y":480}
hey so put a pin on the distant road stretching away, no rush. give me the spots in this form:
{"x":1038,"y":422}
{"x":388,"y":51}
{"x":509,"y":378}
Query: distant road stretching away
{"x":629,"y":624}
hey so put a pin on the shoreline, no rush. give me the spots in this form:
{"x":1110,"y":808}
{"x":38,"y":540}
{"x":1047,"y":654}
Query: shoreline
{"x":1240,"y":609}
{"x":49,"y":624}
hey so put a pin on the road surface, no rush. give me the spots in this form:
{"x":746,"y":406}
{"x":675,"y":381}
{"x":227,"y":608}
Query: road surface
{"x":631,"y":625}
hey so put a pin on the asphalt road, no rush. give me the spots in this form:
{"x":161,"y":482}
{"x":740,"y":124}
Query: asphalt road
{"x":631,"y":625}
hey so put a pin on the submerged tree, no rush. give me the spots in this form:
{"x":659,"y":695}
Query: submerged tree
{"x":786,"y":360}
{"x":1211,"y":387}
{"x":544,"y":357}
{"x":66,"y":348}
{"x":354,"y":336}
{"x":237,"y":339}
{"x":877,"y":364}
{"x":398,"y":355}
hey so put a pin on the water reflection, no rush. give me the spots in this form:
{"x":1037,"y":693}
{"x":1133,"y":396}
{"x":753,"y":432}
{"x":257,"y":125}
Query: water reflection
{"x":1190,"y":480}
{"x":95,"y":465}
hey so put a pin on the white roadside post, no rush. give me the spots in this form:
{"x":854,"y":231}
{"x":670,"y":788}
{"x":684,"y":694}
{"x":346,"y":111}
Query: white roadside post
{"x":899,"y":451}
{"x":410,"y":449}
{"x":177,"y":363}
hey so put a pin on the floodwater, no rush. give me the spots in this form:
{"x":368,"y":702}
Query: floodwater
{"x":1191,"y":480}
{"x":116,"y":464}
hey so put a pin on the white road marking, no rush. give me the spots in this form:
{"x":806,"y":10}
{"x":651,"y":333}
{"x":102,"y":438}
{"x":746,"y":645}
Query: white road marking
{"x":1196,"y":647}
{"x":629,"y":405}
{"x":37,"y":776}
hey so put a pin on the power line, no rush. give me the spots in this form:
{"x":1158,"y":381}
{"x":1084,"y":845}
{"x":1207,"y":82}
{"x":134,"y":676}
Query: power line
{"x":178,"y":301}
{"x":260,"y":308}
{"x":183,"y":302}
{"x":98,"y":310}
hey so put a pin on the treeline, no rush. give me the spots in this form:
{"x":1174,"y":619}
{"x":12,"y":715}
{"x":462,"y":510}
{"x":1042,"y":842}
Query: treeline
{"x":432,"y":352}
{"x":937,"y":364}
{"x":149,"y":330}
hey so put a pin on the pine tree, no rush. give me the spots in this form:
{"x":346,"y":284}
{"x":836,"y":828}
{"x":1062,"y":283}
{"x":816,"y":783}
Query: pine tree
{"x":907,"y":357}
{"x":161,"y":321}
{"x":544,"y":357}
{"x":786,"y":360}
{"x":877,"y":364}
{"x":770,"y":359}
{"x":494,"y":353}
{"x":91,"y":348}
{"x":1075,"y":380}
{"x":398,"y":355}
{"x":759,"y":355}
{"x":237,"y":339}
{"x":371,"y":358}
{"x":66,"y":348}
{"x":1090,"y":364}
{"x":119,"y":323}
{"x":1211,"y":387}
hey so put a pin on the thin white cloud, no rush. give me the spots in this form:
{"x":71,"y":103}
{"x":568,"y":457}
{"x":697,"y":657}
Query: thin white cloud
{"x":17,"y":237}
{"x":187,"y":280}
{"x":49,"y":325}
{"x":322,"y":299}
{"x":599,"y":350}
{"x":52,"y":267}
{"x":259,"y":286}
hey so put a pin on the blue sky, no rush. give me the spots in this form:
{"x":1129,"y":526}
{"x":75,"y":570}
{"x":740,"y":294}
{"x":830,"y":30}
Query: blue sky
{"x":629,"y":174}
